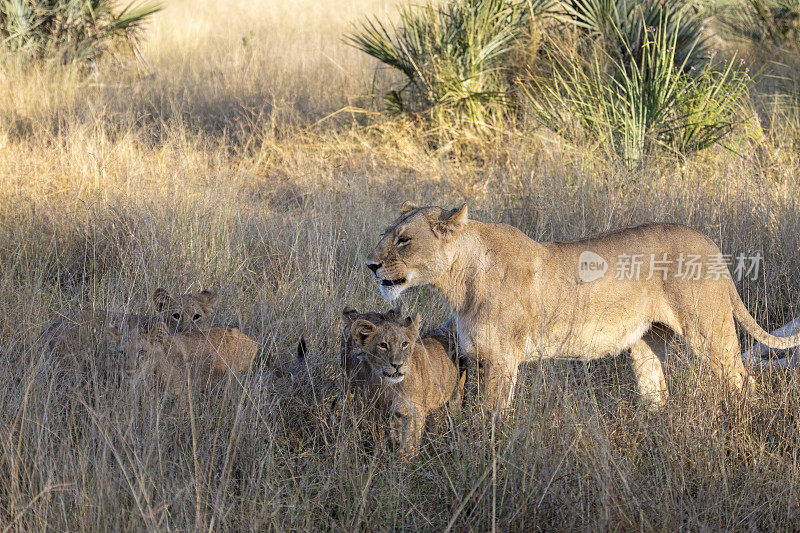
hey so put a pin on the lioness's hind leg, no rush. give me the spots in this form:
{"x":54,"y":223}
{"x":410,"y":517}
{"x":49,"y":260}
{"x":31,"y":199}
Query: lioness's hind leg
{"x":646,"y":356}
{"x":717,"y":343}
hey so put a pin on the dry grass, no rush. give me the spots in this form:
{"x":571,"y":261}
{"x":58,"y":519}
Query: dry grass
{"x":211,"y":170}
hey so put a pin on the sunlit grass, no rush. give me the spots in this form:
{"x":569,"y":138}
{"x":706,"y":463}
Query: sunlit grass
{"x":211,"y":168}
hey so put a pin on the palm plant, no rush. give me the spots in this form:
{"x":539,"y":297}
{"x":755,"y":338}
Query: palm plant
{"x":624,"y":22}
{"x":453,"y":58}
{"x":635,"y":102}
{"x":773,"y":21}
{"x":69,"y":31}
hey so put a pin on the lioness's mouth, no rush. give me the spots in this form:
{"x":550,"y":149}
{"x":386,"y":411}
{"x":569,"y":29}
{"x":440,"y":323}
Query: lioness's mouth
{"x":393,"y":282}
{"x":395,"y":375}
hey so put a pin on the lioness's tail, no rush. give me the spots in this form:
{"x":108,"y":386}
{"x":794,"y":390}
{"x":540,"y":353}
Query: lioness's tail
{"x":749,"y":323}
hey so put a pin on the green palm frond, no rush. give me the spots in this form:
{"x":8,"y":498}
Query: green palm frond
{"x":453,"y":56}
{"x":635,"y":106}
{"x":69,"y":31}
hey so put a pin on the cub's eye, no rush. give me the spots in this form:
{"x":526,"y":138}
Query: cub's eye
{"x":405,"y":345}
{"x":383,"y":346}
{"x":196,"y":317}
{"x":176,"y":316}
{"x":142,"y":352}
{"x":403,"y":239}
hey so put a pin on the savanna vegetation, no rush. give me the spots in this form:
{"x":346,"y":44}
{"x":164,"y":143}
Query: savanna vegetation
{"x":261,"y":147}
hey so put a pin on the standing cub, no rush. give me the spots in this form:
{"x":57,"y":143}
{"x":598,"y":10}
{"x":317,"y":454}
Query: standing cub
{"x":416,"y":376}
{"x":357,"y":371}
{"x":203,"y":357}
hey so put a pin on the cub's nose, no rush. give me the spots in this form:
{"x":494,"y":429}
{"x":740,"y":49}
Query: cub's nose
{"x":396,"y":365}
{"x":373,"y":266}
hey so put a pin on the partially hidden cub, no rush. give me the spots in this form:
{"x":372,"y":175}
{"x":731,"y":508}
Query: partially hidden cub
{"x":415,"y":376}
{"x":80,"y":332}
{"x":201,"y":358}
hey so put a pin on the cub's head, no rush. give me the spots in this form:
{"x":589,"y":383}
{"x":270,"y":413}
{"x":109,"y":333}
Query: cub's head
{"x":387,"y":345}
{"x":350,"y":315}
{"x":187,"y":312}
{"x":139,"y":350}
{"x":413,"y":250}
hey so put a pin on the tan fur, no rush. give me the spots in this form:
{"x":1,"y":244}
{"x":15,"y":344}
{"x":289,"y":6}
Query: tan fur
{"x":355,"y":366}
{"x":413,"y":376}
{"x":201,"y":357}
{"x":515,"y":299}
{"x":79,"y":333}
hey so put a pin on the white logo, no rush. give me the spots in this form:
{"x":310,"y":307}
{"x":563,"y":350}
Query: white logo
{"x":591,"y":266}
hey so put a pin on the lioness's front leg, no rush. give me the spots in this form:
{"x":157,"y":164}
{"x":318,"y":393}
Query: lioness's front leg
{"x":499,"y":380}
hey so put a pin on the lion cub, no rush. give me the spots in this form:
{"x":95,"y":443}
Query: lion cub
{"x":79,"y":332}
{"x":203,"y":357}
{"x":355,"y":365}
{"x":416,"y":376}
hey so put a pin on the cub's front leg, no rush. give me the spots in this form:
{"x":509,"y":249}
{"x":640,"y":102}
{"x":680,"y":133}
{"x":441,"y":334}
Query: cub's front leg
{"x":405,"y":428}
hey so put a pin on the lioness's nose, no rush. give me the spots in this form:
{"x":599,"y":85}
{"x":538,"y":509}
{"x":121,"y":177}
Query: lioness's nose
{"x":373,"y":266}
{"x":396,"y":365}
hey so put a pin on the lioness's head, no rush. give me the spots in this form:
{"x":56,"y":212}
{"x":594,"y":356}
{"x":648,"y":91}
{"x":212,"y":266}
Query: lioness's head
{"x":186,"y":312}
{"x":413,"y":250}
{"x":387,"y":345}
{"x":139,"y":349}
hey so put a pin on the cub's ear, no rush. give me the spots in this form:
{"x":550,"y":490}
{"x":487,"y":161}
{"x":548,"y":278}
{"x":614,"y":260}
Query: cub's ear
{"x":349,"y":314}
{"x":394,"y":314}
{"x":362,"y":330}
{"x":159,"y":333}
{"x":113,"y":333}
{"x":162,"y":299}
{"x":451,"y":222}
{"x":413,"y":323}
{"x":208,"y":298}
{"x":408,"y":206}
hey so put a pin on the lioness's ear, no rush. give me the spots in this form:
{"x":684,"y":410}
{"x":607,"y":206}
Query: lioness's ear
{"x":408,"y":206}
{"x":113,"y":333}
{"x":451,"y":222}
{"x":362,"y":330}
{"x":208,"y":298}
{"x":162,"y":299}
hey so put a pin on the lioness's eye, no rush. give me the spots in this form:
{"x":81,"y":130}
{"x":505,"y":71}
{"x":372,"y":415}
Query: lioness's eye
{"x":405,"y":345}
{"x":403,"y":239}
{"x":196,"y":317}
{"x":176,"y":316}
{"x":383,"y":346}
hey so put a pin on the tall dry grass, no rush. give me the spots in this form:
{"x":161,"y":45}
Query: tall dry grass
{"x":211,"y":167}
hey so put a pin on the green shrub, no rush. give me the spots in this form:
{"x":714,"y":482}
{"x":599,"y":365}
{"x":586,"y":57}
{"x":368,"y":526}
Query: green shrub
{"x":453,"y":58}
{"x":623,"y":24}
{"x":69,"y":31}
{"x":635,"y":102}
{"x":776,"y":22}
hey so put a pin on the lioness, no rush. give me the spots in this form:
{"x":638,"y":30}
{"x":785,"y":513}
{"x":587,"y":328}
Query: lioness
{"x":515,"y":299}
{"x":203,"y":357}
{"x":77,"y":333}
{"x":415,"y":376}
